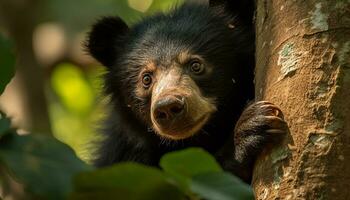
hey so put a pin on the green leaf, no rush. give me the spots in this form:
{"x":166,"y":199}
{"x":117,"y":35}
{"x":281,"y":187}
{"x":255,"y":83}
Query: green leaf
{"x":198,"y":173}
{"x":43,"y":164}
{"x":7,"y":62}
{"x":5,"y":124}
{"x":126,"y":181}
{"x":221,"y":186}
{"x":189,"y":162}
{"x":185,"y":164}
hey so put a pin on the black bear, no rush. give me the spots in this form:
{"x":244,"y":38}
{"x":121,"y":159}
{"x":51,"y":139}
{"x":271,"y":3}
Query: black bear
{"x":182,"y":79}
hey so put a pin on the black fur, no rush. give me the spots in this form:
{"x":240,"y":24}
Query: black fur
{"x":205,"y":31}
{"x":104,"y":45}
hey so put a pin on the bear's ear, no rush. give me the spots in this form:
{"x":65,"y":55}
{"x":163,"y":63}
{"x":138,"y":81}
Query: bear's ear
{"x":105,"y":39}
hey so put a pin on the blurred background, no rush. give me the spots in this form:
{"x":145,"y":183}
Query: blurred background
{"x":56,"y":89}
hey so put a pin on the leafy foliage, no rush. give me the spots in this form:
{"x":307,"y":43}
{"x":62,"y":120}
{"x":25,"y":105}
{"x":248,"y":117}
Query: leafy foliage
{"x":42,"y":163}
{"x":220,"y":186}
{"x":7,"y":62}
{"x":126,"y":181}
{"x":48,"y":167}
{"x":5,"y":124}
{"x":50,"y":170}
{"x":185,"y":164}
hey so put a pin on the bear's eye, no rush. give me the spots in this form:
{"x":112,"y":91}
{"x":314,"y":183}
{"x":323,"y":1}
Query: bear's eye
{"x":146,"y":80}
{"x":196,"y":67}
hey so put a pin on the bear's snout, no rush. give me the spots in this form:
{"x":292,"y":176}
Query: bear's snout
{"x":169,"y":110}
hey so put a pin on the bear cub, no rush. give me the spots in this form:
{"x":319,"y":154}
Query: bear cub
{"x":179,"y":80}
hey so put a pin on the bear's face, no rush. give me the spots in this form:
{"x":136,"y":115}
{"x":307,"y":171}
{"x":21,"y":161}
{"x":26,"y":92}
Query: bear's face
{"x":166,"y":96}
{"x":170,"y":74}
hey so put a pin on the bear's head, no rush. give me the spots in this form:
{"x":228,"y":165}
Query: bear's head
{"x":174,"y":72}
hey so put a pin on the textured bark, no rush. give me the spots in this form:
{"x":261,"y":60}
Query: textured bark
{"x":303,"y":66}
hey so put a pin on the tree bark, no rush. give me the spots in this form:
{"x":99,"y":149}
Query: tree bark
{"x":303,"y":66}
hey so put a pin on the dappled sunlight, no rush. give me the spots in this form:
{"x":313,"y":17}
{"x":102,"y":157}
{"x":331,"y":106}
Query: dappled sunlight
{"x":141,"y":6}
{"x":49,"y":42}
{"x":75,"y":106}
{"x":74,"y":92}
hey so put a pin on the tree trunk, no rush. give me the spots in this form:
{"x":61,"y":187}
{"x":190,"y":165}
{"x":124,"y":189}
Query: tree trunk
{"x":303,"y":66}
{"x":20,"y":18}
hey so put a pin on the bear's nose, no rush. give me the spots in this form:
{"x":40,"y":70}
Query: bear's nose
{"x":168,"y":108}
